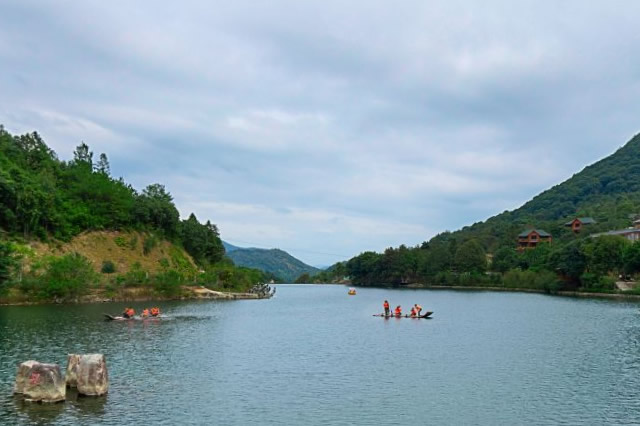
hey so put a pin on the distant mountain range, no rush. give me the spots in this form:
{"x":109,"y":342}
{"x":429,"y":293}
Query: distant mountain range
{"x":278,"y":262}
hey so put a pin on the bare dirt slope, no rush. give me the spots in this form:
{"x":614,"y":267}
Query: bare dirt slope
{"x":123,"y":248}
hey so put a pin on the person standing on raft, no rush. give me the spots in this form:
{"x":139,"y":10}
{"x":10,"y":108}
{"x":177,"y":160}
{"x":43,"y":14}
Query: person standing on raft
{"x":386,"y":308}
{"x":418,"y":309}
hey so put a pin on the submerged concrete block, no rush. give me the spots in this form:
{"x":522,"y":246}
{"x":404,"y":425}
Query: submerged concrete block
{"x":23,"y":375}
{"x":43,"y":383}
{"x":71,"y":378}
{"x":91,"y":375}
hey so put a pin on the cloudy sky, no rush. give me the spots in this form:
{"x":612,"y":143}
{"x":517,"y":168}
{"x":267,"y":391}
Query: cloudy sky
{"x":327,"y":128}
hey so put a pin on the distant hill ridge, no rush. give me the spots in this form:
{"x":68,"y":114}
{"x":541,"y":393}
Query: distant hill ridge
{"x":276,"y":261}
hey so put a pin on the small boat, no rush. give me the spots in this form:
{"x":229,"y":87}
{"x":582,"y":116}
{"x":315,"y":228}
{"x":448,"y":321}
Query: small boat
{"x":427,"y":315}
{"x":352,"y":292}
{"x":108,"y":317}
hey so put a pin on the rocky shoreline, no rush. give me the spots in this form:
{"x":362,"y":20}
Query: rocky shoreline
{"x":141,"y":295}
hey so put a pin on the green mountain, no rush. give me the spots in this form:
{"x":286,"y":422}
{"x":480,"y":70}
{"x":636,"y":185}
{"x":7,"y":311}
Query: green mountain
{"x":608,"y":191}
{"x":229,"y":247}
{"x":485,"y":252}
{"x":276,"y":261}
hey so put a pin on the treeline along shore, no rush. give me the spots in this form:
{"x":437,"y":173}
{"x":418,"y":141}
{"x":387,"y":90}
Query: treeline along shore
{"x":70,"y":231}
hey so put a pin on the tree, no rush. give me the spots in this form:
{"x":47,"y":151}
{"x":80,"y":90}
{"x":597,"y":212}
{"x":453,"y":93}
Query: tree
{"x":202,"y":242}
{"x":82,"y":156}
{"x":435,"y":257}
{"x":155,"y":207}
{"x":214,"y":249}
{"x":68,"y":276}
{"x":536,"y":258}
{"x":35,"y":152}
{"x":303,"y":279}
{"x":631,"y":258}
{"x":569,"y":260}
{"x":363,"y":269}
{"x":103,"y":165}
{"x":605,"y":254}
{"x":470,"y":257}
{"x":7,"y":262}
{"x":504,"y":259}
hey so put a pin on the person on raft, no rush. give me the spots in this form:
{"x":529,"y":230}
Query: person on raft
{"x":128,"y":312}
{"x":418,"y":309}
{"x":145,"y":313}
{"x":385,"y":305}
{"x":155,"y":311}
{"x":398,"y":311}
{"x":414,"y":313}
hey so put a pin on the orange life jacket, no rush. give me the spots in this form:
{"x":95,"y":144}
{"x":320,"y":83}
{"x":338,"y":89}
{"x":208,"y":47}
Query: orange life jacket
{"x":155,"y":311}
{"x":145,"y":313}
{"x":413,"y":312}
{"x":386,"y":305}
{"x":131,"y":312}
{"x":398,"y":311}
{"x":418,"y":307}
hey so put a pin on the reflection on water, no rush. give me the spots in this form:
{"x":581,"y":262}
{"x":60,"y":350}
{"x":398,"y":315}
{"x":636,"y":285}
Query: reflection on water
{"x":88,"y":406}
{"x":316,"y":356}
{"x":38,"y":413}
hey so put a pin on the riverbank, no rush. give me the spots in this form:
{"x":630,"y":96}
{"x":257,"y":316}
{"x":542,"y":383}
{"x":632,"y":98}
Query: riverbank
{"x":618,"y":295}
{"x":132,"y":294}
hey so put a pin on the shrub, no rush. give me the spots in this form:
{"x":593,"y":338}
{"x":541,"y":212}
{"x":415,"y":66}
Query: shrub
{"x":445,"y":278}
{"x":108,"y":267}
{"x":538,"y":280}
{"x":149,"y":244}
{"x":589,"y":280}
{"x":136,"y":276}
{"x":133,"y":242}
{"x":168,"y":283}
{"x":7,"y":262}
{"x":594,"y":282}
{"x":120,"y":241}
{"x":66,"y":277}
{"x":179,"y":260}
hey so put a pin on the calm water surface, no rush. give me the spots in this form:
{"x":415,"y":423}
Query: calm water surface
{"x":315,"y":356}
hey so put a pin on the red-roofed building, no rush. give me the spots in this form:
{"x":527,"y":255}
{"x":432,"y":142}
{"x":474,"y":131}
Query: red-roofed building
{"x":531,"y":238}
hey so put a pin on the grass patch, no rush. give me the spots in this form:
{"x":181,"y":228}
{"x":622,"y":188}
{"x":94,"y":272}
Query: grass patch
{"x":120,"y":241}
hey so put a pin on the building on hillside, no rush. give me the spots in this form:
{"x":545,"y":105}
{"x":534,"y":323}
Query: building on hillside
{"x":631,"y":234}
{"x":577,"y":223}
{"x":531,"y":238}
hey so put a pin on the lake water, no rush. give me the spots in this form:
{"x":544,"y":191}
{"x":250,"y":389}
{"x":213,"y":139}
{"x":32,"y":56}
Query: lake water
{"x":314,"y":355}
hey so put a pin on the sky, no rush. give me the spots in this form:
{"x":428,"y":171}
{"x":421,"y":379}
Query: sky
{"x":328,"y":128}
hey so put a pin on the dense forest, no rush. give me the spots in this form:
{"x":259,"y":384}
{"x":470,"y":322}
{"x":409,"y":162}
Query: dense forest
{"x":46,"y":199}
{"x":485,"y":253}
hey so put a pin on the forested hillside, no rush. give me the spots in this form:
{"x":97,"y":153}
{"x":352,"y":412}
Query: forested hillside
{"x":485,"y":252}
{"x":608,"y":191}
{"x":275,"y":261}
{"x":45,"y":199}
